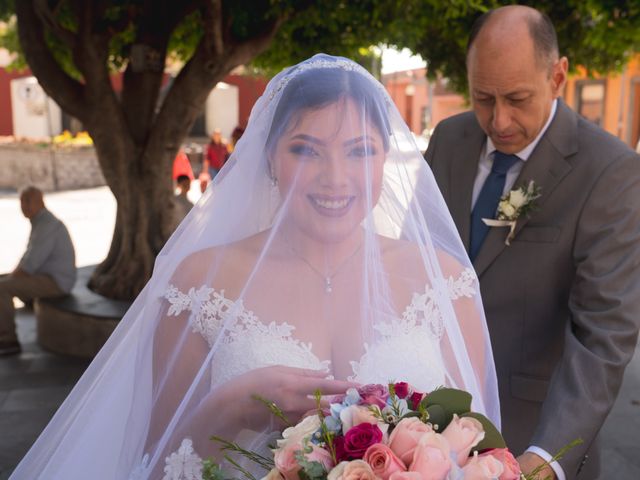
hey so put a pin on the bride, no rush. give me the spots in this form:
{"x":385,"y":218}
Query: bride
{"x":322,"y":257}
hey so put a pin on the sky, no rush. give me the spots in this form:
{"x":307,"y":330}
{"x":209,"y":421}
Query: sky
{"x":396,"y":61}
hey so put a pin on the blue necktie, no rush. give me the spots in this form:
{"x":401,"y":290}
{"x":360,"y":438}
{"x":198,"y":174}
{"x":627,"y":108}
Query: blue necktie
{"x":487,"y":202}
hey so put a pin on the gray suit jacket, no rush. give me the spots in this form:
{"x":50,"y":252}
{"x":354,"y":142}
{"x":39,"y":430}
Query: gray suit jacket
{"x":563,"y":301}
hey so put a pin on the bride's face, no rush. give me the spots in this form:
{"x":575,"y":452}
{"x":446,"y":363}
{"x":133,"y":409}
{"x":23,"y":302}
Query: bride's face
{"x":329,"y":166}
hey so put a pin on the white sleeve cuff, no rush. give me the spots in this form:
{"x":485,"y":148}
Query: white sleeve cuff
{"x":547,"y":458}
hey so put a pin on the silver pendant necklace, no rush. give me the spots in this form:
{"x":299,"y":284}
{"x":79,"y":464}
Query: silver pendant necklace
{"x":328,"y":286}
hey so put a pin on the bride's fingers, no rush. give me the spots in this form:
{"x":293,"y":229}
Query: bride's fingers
{"x":325,"y":386}
{"x":307,"y":372}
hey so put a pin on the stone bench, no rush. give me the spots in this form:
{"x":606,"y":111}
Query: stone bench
{"x":80,"y":323}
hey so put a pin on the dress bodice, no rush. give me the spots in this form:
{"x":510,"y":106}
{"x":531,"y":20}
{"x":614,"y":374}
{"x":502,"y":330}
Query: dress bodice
{"x":406,"y":348}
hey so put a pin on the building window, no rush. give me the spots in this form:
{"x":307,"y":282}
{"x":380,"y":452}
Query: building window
{"x":590,"y":100}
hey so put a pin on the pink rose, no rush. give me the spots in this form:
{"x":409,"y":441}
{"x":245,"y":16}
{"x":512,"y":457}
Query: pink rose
{"x":320,"y":455}
{"x":463,"y":434}
{"x":431,"y":457}
{"x":285,"y":460}
{"x":359,"y":438}
{"x":511,"y":466}
{"x":405,"y":437}
{"x":383,"y":461}
{"x":374,"y":395}
{"x":355,"y":415}
{"x":401,"y":389}
{"x":355,"y":470}
{"x":405,"y":476}
{"x":286,"y":463}
{"x":482,"y":468}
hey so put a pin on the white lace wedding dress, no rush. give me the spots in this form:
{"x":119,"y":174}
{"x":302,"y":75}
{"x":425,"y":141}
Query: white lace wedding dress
{"x":408,"y":348}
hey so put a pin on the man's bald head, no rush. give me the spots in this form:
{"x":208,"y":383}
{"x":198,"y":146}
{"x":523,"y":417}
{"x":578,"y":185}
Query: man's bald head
{"x":500,"y":24}
{"x":31,"y":201}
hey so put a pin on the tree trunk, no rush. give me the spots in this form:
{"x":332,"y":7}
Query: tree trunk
{"x":145,"y":215}
{"x":143,"y":222}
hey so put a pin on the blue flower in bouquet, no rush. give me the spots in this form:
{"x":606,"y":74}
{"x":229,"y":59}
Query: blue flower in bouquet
{"x":352,"y":398}
{"x":333,"y":424}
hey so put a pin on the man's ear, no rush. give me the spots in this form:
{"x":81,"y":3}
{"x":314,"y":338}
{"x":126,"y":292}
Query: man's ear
{"x":559,"y":73}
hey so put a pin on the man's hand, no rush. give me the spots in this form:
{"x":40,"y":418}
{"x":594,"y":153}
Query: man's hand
{"x":530,"y":461}
{"x":18,"y":272}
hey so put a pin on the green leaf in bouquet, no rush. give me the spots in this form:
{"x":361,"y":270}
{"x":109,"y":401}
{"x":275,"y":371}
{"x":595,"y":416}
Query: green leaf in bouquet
{"x":492,"y":437}
{"x":212,"y":471}
{"x":437,"y":416}
{"x":310,"y":470}
{"x":451,"y":400}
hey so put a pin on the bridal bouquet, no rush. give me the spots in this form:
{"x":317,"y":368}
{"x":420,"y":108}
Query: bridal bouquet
{"x":392,"y":433}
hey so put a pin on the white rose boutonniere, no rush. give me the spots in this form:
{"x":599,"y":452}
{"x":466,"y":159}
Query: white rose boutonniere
{"x":512,"y":206}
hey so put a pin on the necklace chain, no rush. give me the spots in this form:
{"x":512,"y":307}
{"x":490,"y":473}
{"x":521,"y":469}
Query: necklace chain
{"x":328,"y":286}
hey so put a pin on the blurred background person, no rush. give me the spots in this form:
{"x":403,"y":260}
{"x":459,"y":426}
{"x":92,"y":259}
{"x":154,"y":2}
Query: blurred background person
{"x":216,"y":153}
{"x":46,"y":269}
{"x":183,"y":204}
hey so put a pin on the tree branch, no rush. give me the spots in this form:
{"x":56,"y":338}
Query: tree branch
{"x":48,"y":17}
{"x":66,"y":91}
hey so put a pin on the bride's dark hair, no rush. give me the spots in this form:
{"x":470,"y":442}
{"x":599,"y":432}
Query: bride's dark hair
{"x":317,"y":88}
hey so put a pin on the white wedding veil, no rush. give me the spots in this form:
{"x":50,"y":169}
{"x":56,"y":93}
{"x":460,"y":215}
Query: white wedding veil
{"x":322,"y":255}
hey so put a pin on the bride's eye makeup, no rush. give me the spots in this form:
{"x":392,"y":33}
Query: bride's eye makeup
{"x":303,"y":150}
{"x":364,"y":150}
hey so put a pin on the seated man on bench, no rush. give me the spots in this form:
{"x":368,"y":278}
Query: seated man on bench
{"x":47,"y":268}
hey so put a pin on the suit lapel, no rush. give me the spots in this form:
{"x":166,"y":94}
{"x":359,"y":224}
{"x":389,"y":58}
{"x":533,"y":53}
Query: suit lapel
{"x":464,"y":166}
{"x":546,"y":166}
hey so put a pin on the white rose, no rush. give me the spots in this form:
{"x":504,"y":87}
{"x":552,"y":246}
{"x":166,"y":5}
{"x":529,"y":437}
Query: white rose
{"x":357,"y":414}
{"x":304,"y":429}
{"x":337,"y":471}
{"x":517,"y":198}
{"x":507,"y":209}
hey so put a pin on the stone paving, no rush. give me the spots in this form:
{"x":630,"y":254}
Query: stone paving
{"x":33,"y":384}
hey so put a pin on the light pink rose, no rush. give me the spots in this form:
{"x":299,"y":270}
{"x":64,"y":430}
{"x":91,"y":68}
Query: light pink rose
{"x":355,"y":415}
{"x":354,"y":470}
{"x":463,"y":434}
{"x":286,"y":463}
{"x":482,"y":468}
{"x":383,"y":461}
{"x":405,"y":436}
{"x":320,"y":455}
{"x":431,"y":457}
{"x":511,"y":466}
{"x":405,"y":476}
{"x":285,"y":460}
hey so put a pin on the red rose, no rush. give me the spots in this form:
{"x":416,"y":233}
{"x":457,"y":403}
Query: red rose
{"x":374,"y":395}
{"x":359,"y":438}
{"x":415,"y":399}
{"x":338,"y":445}
{"x":401,"y":389}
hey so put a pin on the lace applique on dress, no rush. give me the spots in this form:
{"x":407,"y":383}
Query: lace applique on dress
{"x":247,"y":343}
{"x":411,"y":345}
{"x":184,"y":464}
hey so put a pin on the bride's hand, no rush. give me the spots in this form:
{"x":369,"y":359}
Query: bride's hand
{"x":291,"y":389}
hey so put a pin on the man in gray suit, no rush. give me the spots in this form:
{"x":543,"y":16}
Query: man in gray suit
{"x":563,"y":299}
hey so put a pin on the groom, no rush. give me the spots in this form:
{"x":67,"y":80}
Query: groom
{"x":563,"y":300}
